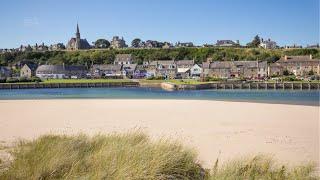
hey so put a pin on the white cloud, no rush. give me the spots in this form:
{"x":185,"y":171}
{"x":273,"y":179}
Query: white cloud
{"x":30,"y":21}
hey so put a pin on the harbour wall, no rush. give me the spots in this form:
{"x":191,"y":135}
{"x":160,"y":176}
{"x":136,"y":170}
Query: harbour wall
{"x":171,"y":86}
{"x":67,"y":85}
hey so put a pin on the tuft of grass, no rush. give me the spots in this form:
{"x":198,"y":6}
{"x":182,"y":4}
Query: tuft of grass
{"x":261,"y":167}
{"x":115,"y":156}
{"x":133,"y":156}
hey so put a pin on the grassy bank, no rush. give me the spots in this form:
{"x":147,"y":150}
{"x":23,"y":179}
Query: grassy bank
{"x":131,"y":156}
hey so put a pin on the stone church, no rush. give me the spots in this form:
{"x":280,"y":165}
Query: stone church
{"x":78,"y":43}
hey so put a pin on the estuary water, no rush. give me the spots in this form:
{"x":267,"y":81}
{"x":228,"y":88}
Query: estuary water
{"x":307,"y":97}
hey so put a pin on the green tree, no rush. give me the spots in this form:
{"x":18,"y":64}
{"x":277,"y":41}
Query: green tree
{"x":102,"y":43}
{"x":255,"y":42}
{"x":136,"y":43}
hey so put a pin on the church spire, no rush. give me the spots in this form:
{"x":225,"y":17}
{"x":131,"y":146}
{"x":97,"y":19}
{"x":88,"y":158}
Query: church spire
{"x":78,"y":32}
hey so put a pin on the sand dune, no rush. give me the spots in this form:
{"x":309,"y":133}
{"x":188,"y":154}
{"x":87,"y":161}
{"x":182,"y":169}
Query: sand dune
{"x":214,"y":128}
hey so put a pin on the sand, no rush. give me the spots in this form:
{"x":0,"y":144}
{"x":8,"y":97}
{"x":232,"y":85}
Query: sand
{"x":216,"y":129}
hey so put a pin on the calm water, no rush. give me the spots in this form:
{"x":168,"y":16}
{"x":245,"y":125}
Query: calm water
{"x":269,"y":96}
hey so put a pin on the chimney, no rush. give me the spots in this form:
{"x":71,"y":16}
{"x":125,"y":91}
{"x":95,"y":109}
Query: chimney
{"x":310,"y":56}
{"x":285,"y":57}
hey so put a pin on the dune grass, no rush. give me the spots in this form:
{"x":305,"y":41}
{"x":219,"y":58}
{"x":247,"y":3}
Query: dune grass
{"x":124,"y":156}
{"x":131,"y":156}
{"x":261,"y":167}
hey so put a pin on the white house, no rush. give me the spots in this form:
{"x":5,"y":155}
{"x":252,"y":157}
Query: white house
{"x":195,"y":71}
{"x":268,"y":44}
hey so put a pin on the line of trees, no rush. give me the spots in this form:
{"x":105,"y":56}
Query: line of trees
{"x":107,"y":56}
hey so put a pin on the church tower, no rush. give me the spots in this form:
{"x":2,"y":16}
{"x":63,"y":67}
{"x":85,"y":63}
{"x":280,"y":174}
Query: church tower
{"x":78,"y":40}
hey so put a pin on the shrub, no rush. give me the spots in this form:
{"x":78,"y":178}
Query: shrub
{"x":3,"y":80}
{"x":12,"y":80}
{"x":156,"y":78}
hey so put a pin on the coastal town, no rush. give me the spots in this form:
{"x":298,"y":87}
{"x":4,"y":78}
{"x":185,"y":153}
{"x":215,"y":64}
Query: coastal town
{"x":125,"y":66}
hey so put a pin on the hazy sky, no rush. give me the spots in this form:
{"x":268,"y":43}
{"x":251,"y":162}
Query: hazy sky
{"x":199,"y":21}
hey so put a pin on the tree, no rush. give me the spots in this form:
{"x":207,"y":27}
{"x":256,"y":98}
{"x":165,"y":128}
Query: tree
{"x":136,"y":43}
{"x":102,"y":43}
{"x":286,"y":73}
{"x":311,"y":73}
{"x":255,"y":42}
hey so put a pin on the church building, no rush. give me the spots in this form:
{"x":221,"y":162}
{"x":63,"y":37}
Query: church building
{"x":78,"y":43}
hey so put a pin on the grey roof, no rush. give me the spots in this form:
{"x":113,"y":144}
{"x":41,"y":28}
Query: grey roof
{"x":248,"y":64}
{"x":185,"y":62}
{"x":221,"y":64}
{"x":33,"y":67}
{"x":107,"y":67}
{"x":129,"y":67}
{"x":166,"y":62}
{"x":5,"y":69}
{"x":60,"y":68}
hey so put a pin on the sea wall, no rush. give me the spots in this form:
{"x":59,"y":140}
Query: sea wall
{"x":67,"y":85}
{"x":253,"y":85}
{"x":170,"y":86}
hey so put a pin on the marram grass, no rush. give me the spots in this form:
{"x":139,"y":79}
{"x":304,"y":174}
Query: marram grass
{"x":131,"y":156}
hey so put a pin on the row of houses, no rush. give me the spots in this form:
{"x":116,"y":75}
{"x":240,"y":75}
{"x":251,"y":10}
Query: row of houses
{"x":125,"y":67}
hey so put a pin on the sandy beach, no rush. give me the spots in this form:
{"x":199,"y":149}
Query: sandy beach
{"x":216,"y":129}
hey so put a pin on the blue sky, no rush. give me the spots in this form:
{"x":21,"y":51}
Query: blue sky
{"x":199,"y":21}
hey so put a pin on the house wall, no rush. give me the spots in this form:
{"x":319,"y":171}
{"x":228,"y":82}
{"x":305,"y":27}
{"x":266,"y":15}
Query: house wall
{"x":26,"y":72}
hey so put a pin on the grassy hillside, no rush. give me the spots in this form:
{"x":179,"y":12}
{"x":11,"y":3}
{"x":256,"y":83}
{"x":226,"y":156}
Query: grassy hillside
{"x":107,"y":55}
{"x":131,"y":156}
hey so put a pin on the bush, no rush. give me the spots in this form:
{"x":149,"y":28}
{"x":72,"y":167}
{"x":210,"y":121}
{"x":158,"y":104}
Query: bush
{"x":207,"y":79}
{"x":156,"y":78}
{"x":12,"y":80}
{"x":3,"y":80}
{"x":21,"y":79}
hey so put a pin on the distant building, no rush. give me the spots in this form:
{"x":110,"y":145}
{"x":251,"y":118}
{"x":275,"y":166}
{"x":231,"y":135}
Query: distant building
{"x":297,"y":65}
{"x":235,"y":69}
{"x":61,"y":71}
{"x":195,"y":71}
{"x":118,"y":43}
{"x":184,"y":44}
{"x":292,"y":47}
{"x":183,"y":68}
{"x":268,"y":44}
{"x":28,"y":70}
{"x":313,"y":46}
{"x":107,"y":71}
{"x":57,"y":47}
{"x":140,"y":72}
{"x":5,"y":72}
{"x":227,"y":43}
{"x":166,"y":69}
{"x":152,"y":44}
{"x":167,"y":45}
{"x":123,"y":59}
{"x":77,"y":43}
{"x":128,"y":70}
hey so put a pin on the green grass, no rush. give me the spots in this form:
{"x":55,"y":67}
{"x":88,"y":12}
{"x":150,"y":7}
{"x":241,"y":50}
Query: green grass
{"x":261,"y":167}
{"x":124,"y":156}
{"x":132,"y":156}
{"x":85,"y":80}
